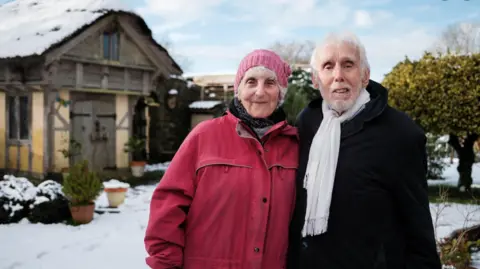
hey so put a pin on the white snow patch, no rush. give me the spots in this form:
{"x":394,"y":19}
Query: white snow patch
{"x":17,"y":188}
{"x":204,"y":104}
{"x":156,"y":167}
{"x":109,"y":241}
{"x":451,"y":175}
{"x":31,"y":26}
{"x":114,"y":183}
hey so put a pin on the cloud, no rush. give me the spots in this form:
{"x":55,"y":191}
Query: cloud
{"x":277,"y":16}
{"x":362,"y":18}
{"x":226,"y":52}
{"x":175,"y":14}
{"x":180,"y":37}
{"x":385,"y":50}
{"x":387,"y":38}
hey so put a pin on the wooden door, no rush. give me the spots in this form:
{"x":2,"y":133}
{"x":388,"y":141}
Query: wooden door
{"x":81,"y":118}
{"x":103,"y":135}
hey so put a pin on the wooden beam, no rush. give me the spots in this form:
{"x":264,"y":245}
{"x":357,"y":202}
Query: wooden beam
{"x":79,"y":75}
{"x":105,"y":77}
{"x":8,"y":74}
{"x":105,"y":91}
{"x":126,"y":79}
{"x":146,"y":83}
{"x":106,"y":62}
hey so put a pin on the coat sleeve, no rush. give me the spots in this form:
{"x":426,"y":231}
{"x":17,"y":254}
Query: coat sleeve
{"x":164,"y":237}
{"x":296,"y":224}
{"x":414,"y":210}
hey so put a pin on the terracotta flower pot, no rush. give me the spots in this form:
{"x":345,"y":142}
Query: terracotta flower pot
{"x":137,"y":168}
{"x":82,"y":214}
{"x":116,"y":196}
{"x":116,"y":192}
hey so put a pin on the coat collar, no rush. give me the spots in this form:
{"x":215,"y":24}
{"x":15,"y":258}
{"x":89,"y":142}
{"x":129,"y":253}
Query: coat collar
{"x":374,"y":108}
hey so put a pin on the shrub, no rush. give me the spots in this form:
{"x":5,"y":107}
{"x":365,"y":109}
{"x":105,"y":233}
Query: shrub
{"x":437,"y":151}
{"x":16,"y":194}
{"x":50,"y":204}
{"x":81,"y":186}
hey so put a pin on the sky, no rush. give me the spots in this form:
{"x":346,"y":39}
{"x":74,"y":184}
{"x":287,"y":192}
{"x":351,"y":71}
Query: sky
{"x":212,"y":36}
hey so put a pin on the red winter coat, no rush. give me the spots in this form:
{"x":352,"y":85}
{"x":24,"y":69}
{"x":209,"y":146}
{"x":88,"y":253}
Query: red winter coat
{"x":225,"y":202}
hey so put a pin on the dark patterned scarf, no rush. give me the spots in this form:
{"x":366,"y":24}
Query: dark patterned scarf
{"x":239,"y":111}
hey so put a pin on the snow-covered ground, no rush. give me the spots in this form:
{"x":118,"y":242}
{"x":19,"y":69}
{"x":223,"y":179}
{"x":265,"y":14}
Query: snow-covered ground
{"x":451,"y":175}
{"x":111,"y":240}
{"x":115,"y":240}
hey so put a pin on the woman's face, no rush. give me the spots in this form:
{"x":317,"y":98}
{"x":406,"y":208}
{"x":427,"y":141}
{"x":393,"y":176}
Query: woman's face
{"x":259,"y":92}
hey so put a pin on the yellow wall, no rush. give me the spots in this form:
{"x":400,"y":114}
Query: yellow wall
{"x":121,"y":106}
{"x":61,"y":138}
{"x":24,"y":160}
{"x":12,"y":157}
{"x":3,"y":129}
{"x":37,"y":132}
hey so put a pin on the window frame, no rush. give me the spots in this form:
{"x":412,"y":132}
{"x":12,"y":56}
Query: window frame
{"x":111,"y":40}
{"x":17,"y":139}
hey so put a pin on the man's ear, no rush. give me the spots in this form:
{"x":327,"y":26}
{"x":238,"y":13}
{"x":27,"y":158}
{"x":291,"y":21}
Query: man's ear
{"x":366,"y":78}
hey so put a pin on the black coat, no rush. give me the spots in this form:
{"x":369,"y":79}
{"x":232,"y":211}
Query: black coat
{"x":379,"y":214}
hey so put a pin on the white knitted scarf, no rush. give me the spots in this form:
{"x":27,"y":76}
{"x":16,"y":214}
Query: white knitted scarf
{"x":322,"y":164}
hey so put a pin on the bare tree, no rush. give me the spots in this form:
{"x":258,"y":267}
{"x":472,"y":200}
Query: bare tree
{"x":294,"y":52}
{"x":460,"y":38}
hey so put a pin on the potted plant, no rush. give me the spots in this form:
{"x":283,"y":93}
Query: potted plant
{"x":136,"y":147}
{"x":74,"y":149}
{"x":82,"y":187}
{"x":116,"y":192}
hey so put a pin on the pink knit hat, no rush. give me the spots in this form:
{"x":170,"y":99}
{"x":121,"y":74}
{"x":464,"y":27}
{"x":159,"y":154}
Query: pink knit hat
{"x":268,"y":59}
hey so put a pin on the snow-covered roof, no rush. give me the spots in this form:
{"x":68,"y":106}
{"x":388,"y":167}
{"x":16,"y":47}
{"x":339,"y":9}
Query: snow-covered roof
{"x":32,"y":26}
{"x":204,"y":104}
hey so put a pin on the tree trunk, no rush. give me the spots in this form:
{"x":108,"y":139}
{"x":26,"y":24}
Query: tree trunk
{"x":466,"y":158}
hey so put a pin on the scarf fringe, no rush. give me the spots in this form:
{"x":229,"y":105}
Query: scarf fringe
{"x":315,"y":226}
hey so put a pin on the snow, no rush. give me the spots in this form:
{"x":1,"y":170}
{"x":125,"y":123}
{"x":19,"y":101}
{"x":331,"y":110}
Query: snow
{"x":116,"y":240}
{"x":204,"y":104}
{"x":451,"y":175}
{"x":17,"y":191}
{"x":17,"y":188}
{"x":114,"y":184}
{"x":173,"y":92}
{"x":32,"y":26}
{"x":109,"y":241}
{"x":156,"y":167}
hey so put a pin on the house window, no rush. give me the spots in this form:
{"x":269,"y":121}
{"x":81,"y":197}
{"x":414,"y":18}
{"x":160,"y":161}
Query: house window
{"x":111,"y":46}
{"x":18,"y":118}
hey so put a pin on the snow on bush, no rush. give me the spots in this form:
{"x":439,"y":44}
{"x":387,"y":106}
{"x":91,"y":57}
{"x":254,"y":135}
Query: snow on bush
{"x":114,"y":184}
{"x":16,"y":194}
{"x":19,"y":199}
{"x":50,"y":204}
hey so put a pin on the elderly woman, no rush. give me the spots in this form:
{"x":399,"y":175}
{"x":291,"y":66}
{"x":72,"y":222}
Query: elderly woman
{"x":227,"y":198}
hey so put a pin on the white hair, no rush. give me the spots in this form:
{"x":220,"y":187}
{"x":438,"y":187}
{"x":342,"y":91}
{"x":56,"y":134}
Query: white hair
{"x":261,"y":68}
{"x":336,"y":39}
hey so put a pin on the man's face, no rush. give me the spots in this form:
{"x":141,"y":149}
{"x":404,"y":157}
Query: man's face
{"x":340,"y":75}
{"x":259,"y":92}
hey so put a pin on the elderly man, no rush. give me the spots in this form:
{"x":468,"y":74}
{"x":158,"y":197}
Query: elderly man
{"x":361,"y":185}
